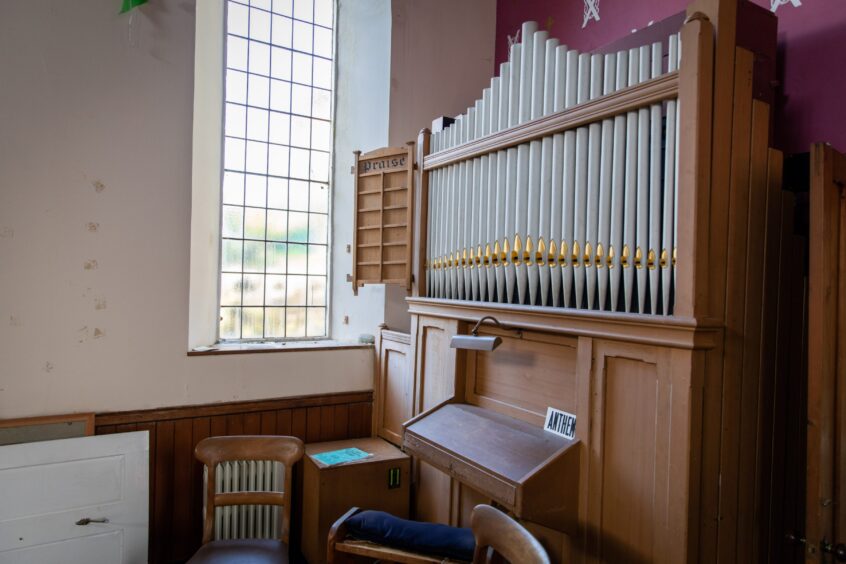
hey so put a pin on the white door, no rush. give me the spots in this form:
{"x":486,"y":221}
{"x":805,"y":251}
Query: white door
{"x":49,"y":489}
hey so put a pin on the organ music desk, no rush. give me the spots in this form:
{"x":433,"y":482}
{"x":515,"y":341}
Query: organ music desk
{"x":531,"y":472}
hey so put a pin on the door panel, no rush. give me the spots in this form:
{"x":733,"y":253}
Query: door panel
{"x":48,"y":487}
{"x":825,"y":502}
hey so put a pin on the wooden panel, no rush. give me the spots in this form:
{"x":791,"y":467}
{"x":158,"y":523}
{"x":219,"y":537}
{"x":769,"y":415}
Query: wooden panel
{"x":394,"y":386}
{"x":526,"y":374}
{"x":436,"y":363}
{"x":382,"y":235}
{"x":639,"y":445}
{"x":826,"y":518}
{"x":176,"y":494}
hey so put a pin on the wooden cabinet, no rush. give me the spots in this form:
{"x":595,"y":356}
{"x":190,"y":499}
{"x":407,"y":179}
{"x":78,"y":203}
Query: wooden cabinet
{"x":329,"y":491}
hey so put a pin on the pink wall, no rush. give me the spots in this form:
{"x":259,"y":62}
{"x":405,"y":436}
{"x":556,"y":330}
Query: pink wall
{"x":812,"y":54}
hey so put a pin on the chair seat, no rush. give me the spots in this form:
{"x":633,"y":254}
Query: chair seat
{"x":242,"y":551}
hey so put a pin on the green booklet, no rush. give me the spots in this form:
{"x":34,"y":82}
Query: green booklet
{"x":334,"y":457}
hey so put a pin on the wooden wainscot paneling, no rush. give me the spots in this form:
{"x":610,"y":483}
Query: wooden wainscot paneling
{"x":527,"y":373}
{"x":635,"y":498}
{"x":394,"y":386}
{"x":436,"y":378}
{"x":176,"y":478}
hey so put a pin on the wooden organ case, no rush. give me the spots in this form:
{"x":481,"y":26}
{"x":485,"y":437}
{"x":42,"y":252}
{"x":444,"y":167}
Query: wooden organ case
{"x":619,"y":214}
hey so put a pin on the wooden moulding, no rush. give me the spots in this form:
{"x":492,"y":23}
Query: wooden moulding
{"x":531,"y":472}
{"x":30,"y":429}
{"x":384,"y":209}
{"x":676,"y":332}
{"x":641,"y":95}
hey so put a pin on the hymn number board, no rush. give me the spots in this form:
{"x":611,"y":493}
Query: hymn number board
{"x":383,"y":208}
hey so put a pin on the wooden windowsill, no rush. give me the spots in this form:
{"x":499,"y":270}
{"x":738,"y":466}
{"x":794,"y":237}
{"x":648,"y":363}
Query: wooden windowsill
{"x":277,"y":347}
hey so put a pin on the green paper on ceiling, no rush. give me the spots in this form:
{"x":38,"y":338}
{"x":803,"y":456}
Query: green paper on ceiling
{"x":129,"y":4}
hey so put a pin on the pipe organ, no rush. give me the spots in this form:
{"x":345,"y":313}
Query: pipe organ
{"x":583,"y":218}
{"x":620,"y":215}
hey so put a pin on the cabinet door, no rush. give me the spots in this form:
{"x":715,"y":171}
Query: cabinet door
{"x":436,"y":363}
{"x":394,"y":387}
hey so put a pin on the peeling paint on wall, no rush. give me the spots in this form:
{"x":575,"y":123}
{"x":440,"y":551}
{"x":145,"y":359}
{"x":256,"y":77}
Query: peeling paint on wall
{"x":92,"y":226}
{"x":90,"y":265}
{"x":99,"y":303}
{"x":98,"y":186}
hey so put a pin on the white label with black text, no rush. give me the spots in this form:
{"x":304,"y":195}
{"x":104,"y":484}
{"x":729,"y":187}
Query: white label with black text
{"x":560,"y":423}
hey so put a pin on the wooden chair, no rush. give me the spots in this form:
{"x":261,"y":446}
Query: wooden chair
{"x":215,"y":450}
{"x":496,"y":530}
{"x":491,"y":528}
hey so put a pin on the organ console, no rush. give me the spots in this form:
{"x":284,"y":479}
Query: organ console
{"x":612,"y":211}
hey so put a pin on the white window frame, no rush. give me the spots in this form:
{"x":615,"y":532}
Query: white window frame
{"x":207,"y":177}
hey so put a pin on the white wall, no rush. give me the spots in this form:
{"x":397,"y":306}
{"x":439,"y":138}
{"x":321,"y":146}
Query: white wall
{"x":95,"y":196}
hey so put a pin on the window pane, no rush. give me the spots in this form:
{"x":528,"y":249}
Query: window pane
{"x":253,"y":256}
{"x":280,"y":128}
{"x":236,"y":19}
{"x":316,"y":290}
{"x":257,"y":120}
{"x":299,"y":163}
{"x":274,"y":322}
{"x":236,"y":86}
{"x":277,"y":193}
{"x":317,"y":259}
{"x":230,"y":323}
{"x":319,"y":198}
{"x":252,"y":325}
{"x":298,"y":196}
{"x":277,"y":225}
{"x":316,"y":321}
{"x":323,"y":42}
{"x":256,"y":190}
{"x":280,"y":96}
{"x":256,"y":157}
{"x":277,"y":160}
{"x":296,"y":290}
{"x":230,"y":289}
{"x":259,"y":58}
{"x":302,"y":36}
{"x":298,"y":226}
{"x":276,"y":289}
{"x":259,"y":86}
{"x":323,"y":12}
{"x":300,"y":99}
{"x":263,"y":4}
{"x":322,"y":73}
{"x":236,"y":120}
{"x":302,"y":68}
{"x":319,"y":166}
{"x":253,"y":289}
{"x":322,"y":104}
{"x":295,"y":322}
{"x":316,"y":228}
{"x":260,"y":25}
{"x":282,"y":31}
{"x":233,"y":188}
{"x":297,"y":259}
{"x":232,"y":224}
{"x":300,"y":131}
{"x":231,"y":254}
{"x":236,"y":53}
{"x":321,"y":135}
{"x":254,"y":223}
{"x":233,"y":158}
{"x":277,"y":257}
{"x":304,"y":10}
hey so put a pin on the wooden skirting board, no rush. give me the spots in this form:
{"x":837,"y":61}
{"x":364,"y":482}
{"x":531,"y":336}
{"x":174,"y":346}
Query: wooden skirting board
{"x":176,"y":478}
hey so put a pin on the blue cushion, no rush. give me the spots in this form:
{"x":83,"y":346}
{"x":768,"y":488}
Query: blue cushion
{"x":426,"y":538}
